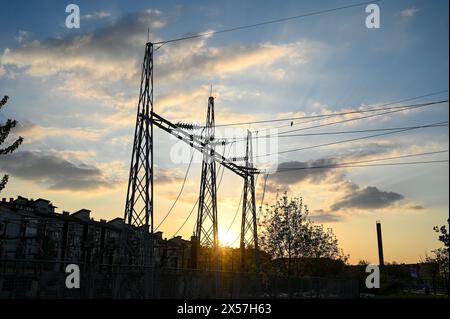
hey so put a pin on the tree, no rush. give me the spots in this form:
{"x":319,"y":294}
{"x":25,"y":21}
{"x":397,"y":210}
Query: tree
{"x":444,"y":235}
{"x":287,"y":234}
{"x":4,"y":132}
{"x":441,"y":255}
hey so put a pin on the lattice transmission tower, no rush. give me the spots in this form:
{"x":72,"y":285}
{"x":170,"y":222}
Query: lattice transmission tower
{"x":206,"y":227}
{"x":139,"y":203}
{"x":249,"y":230}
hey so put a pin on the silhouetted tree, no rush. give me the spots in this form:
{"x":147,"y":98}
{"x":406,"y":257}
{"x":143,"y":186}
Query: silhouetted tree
{"x":4,"y":132}
{"x":441,"y":255}
{"x":286,"y":233}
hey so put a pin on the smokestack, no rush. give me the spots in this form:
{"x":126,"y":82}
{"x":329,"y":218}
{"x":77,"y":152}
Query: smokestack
{"x":380,"y":244}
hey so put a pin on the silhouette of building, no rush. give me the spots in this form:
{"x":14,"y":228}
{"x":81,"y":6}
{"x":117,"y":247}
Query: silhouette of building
{"x":32,"y":230}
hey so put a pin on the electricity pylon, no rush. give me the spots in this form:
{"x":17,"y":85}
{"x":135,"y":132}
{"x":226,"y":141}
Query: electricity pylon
{"x":138,"y":216}
{"x":206,"y":227}
{"x":249,"y":232}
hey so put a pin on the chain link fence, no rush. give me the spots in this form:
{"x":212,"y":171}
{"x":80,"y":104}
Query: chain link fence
{"x":26,"y":279}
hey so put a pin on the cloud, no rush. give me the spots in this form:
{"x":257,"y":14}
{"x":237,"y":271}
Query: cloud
{"x":181,"y":100}
{"x":416,"y":207}
{"x":54,"y":172}
{"x":165,"y":176}
{"x":97,"y":64}
{"x":330,"y":187}
{"x":96,"y":15}
{"x":23,"y":36}
{"x":104,"y":66}
{"x":33,"y":132}
{"x":336,"y":193}
{"x":409,"y":12}
{"x":366,"y":150}
{"x":367,"y":198}
{"x":191,"y":106}
{"x":321,"y":216}
{"x":71,"y":155}
{"x":286,"y":174}
{"x":196,"y":58}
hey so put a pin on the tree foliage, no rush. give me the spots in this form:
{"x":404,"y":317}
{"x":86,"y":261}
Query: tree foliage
{"x":5,"y":129}
{"x":287,"y":233}
{"x":443,"y":234}
{"x":441,"y":255}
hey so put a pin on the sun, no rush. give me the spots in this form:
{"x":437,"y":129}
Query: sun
{"x":226,"y":238}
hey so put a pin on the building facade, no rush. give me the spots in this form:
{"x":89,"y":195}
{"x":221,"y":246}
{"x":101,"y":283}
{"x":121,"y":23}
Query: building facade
{"x":32,"y":230}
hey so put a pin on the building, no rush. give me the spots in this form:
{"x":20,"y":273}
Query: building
{"x":32,"y":230}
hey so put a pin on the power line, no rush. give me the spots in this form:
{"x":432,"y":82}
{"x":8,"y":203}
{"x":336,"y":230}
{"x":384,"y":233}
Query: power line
{"x":196,"y":203}
{"x":348,"y":140}
{"x":185,"y":221}
{"x":369,"y":160}
{"x":319,"y":116}
{"x":341,"y":165}
{"x":385,"y":164}
{"x":336,"y":132}
{"x":396,"y":110}
{"x":192,"y":209}
{"x":248,"y":26}
{"x":236,"y":213}
{"x":281,"y":134}
{"x":364,"y":165}
{"x":179,"y":193}
{"x":363,"y":131}
{"x":406,"y":107}
{"x":262,"y":196}
{"x":236,"y":239}
{"x":411,"y":107}
{"x":239,"y":205}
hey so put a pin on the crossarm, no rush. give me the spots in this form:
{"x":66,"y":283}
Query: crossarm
{"x":198,"y":144}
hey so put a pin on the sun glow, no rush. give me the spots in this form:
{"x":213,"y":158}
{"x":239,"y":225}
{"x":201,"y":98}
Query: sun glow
{"x":226,"y":238}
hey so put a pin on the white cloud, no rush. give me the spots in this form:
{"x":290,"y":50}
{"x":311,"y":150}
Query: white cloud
{"x":197,"y":58}
{"x":409,"y":12}
{"x":98,"y":64}
{"x":33,"y":132}
{"x":104,"y":65}
{"x":96,"y":15}
{"x":23,"y":36}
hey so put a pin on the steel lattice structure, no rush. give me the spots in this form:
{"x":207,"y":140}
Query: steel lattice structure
{"x":206,"y":227}
{"x":138,"y":217}
{"x":249,"y":232}
{"x":139,"y":203}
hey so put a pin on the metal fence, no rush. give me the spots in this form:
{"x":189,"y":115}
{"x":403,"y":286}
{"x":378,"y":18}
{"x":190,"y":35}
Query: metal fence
{"x":25,"y":279}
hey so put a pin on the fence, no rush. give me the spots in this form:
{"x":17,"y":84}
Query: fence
{"x":25,"y":279}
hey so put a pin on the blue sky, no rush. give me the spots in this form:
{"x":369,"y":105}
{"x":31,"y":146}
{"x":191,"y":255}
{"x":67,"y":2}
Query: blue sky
{"x":75,"y":93}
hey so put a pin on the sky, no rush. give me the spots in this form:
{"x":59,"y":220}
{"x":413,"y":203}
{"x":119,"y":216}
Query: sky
{"x":75,"y":93}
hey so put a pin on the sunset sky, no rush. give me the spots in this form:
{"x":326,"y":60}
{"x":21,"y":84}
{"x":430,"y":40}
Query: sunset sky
{"x":75,"y":92}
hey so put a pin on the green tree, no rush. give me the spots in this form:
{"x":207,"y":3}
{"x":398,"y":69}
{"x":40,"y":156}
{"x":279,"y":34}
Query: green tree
{"x":287,"y":234}
{"x":5,"y":129}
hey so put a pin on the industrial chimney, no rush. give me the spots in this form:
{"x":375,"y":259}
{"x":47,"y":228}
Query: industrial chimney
{"x":380,"y":244}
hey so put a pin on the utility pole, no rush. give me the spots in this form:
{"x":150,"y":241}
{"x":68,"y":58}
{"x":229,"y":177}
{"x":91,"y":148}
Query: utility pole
{"x":249,"y":232}
{"x":206,"y":228}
